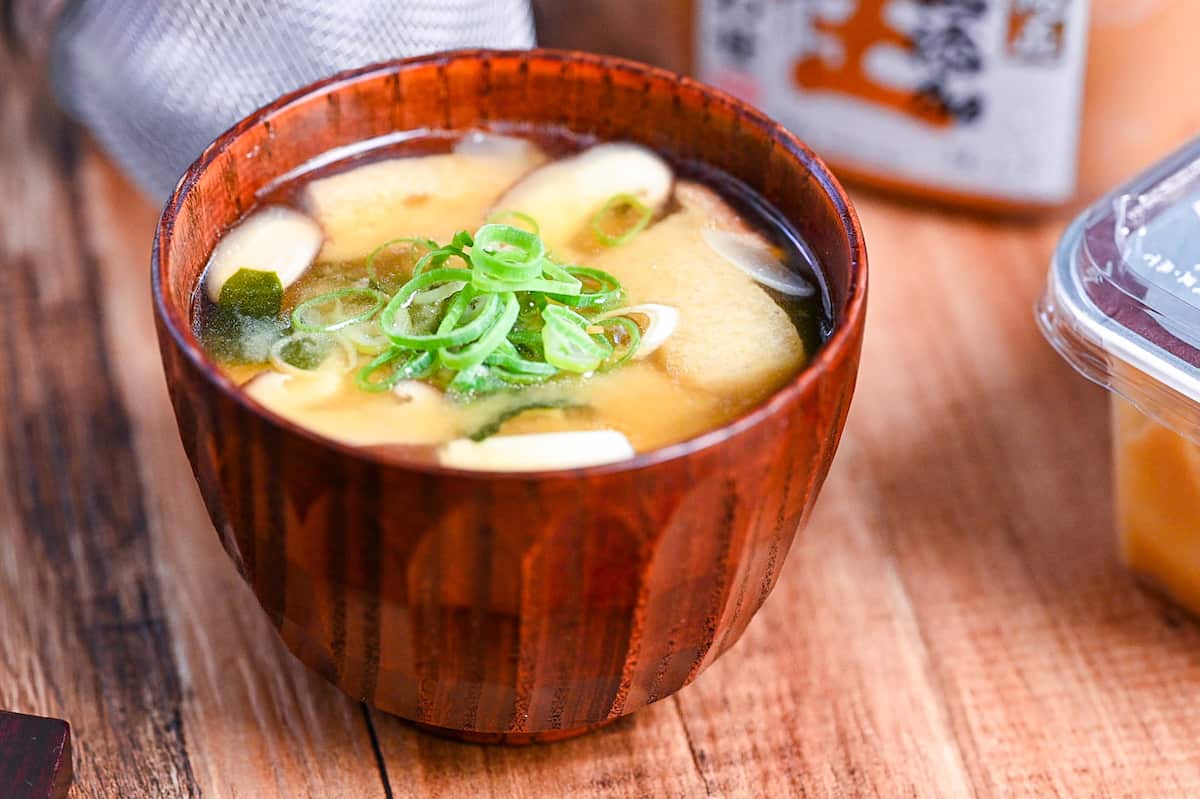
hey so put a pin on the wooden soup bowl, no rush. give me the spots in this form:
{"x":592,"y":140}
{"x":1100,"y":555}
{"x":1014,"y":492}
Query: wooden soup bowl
{"x":508,"y":607}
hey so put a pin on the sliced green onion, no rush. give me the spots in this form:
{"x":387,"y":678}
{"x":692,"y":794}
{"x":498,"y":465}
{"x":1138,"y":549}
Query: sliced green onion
{"x":428,"y":244}
{"x":439,"y":293}
{"x":437,"y":258}
{"x":474,"y":353}
{"x":479,"y":379}
{"x":567,"y":287}
{"x":416,"y":364}
{"x":396,"y":321}
{"x":480,"y":313}
{"x":499,"y":217}
{"x":501,"y":321}
{"x":632,"y":332}
{"x":567,"y":343}
{"x":507,"y":254}
{"x":607,"y":291}
{"x":305,"y":353}
{"x":614,"y":208}
{"x":518,"y":369}
{"x":366,"y":337}
{"x":375,"y":300}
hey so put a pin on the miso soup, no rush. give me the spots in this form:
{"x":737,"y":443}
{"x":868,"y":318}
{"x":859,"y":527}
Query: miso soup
{"x":506,"y":303}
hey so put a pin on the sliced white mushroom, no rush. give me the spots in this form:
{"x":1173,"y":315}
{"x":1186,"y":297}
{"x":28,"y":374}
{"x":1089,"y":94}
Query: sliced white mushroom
{"x":537,"y":451}
{"x":753,"y":255}
{"x":272,"y":388}
{"x":564,"y":195}
{"x":416,"y":391}
{"x":431,"y":196}
{"x":660,"y":323}
{"x":275,"y":239}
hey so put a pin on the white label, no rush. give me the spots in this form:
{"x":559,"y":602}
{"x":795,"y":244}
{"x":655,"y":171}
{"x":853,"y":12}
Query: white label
{"x":973,"y":96}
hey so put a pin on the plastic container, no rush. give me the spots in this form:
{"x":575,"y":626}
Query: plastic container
{"x":1123,"y":307}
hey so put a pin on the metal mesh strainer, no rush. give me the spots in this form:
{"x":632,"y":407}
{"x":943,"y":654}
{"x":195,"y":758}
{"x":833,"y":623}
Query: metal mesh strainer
{"x":156,"y":81}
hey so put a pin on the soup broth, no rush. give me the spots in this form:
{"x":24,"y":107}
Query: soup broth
{"x":500,"y":302}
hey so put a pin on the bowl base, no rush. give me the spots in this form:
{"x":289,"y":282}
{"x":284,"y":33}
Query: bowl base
{"x":508,"y":738}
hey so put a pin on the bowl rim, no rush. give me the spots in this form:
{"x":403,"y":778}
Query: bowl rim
{"x":846,"y":329}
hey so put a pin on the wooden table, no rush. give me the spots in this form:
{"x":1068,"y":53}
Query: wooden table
{"x":953,"y":623}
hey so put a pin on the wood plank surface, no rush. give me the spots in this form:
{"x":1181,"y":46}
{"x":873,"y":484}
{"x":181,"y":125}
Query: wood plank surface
{"x":953,"y":622}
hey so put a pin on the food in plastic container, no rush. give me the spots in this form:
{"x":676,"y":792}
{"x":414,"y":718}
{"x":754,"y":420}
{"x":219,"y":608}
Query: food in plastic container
{"x":1123,"y":307}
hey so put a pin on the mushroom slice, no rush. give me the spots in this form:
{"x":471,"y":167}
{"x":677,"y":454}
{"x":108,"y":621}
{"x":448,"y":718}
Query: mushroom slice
{"x":728,"y":234}
{"x":661,"y":321}
{"x":273,"y":388}
{"x":416,"y":391}
{"x":754,"y":256}
{"x":537,"y":451}
{"x":564,"y":195}
{"x":275,"y":239}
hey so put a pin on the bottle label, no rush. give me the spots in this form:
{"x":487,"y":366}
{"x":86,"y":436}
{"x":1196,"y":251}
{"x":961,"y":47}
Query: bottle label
{"x":973,"y":96}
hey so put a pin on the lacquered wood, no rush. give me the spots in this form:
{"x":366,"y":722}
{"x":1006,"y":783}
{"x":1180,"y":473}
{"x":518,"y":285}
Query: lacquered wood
{"x":35,"y":757}
{"x":512,"y":607}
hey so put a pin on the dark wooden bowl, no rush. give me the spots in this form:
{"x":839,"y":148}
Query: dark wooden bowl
{"x":508,"y":607}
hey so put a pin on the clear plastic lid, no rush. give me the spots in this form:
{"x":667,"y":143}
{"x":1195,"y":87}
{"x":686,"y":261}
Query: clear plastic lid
{"x":1123,"y":301}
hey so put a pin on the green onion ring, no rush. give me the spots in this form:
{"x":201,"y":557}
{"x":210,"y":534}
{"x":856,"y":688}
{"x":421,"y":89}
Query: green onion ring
{"x":498,"y":217}
{"x":428,"y":244}
{"x":479,"y":379}
{"x":507,"y":253}
{"x":298,"y":322}
{"x":608,"y":293}
{"x":276,"y":359}
{"x":567,"y":343}
{"x":366,"y":337}
{"x":507,"y":358}
{"x":449,"y":332}
{"x":645,"y":213}
{"x":635,"y":339}
{"x":419,"y":364}
{"x":437,"y":258}
{"x":474,"y":353}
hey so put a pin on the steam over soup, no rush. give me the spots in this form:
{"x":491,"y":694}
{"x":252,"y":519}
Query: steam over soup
{"x":490,"y":303}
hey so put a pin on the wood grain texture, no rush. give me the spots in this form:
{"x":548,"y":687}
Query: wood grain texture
{"x":953,"y":623}
{"x":509,"y":607}
{"x":95,"y":502}
{"x":35,"y":756}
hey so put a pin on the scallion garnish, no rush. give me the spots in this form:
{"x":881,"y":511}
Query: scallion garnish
{"x":367,"y":300}
{"x":599,"y":289}
{"x":503,"y":216}
{"x":567,"y":343}
{"x":508,"y":316}
{"x":632,"y":335}
{"x":413,"y":364}
{"x":303,"y":353}
{"x":616,"y":214}
{"x":373,"y":274}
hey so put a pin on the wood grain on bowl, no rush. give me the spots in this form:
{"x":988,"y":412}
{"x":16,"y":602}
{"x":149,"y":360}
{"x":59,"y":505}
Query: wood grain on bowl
{"x":509,"y":607}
